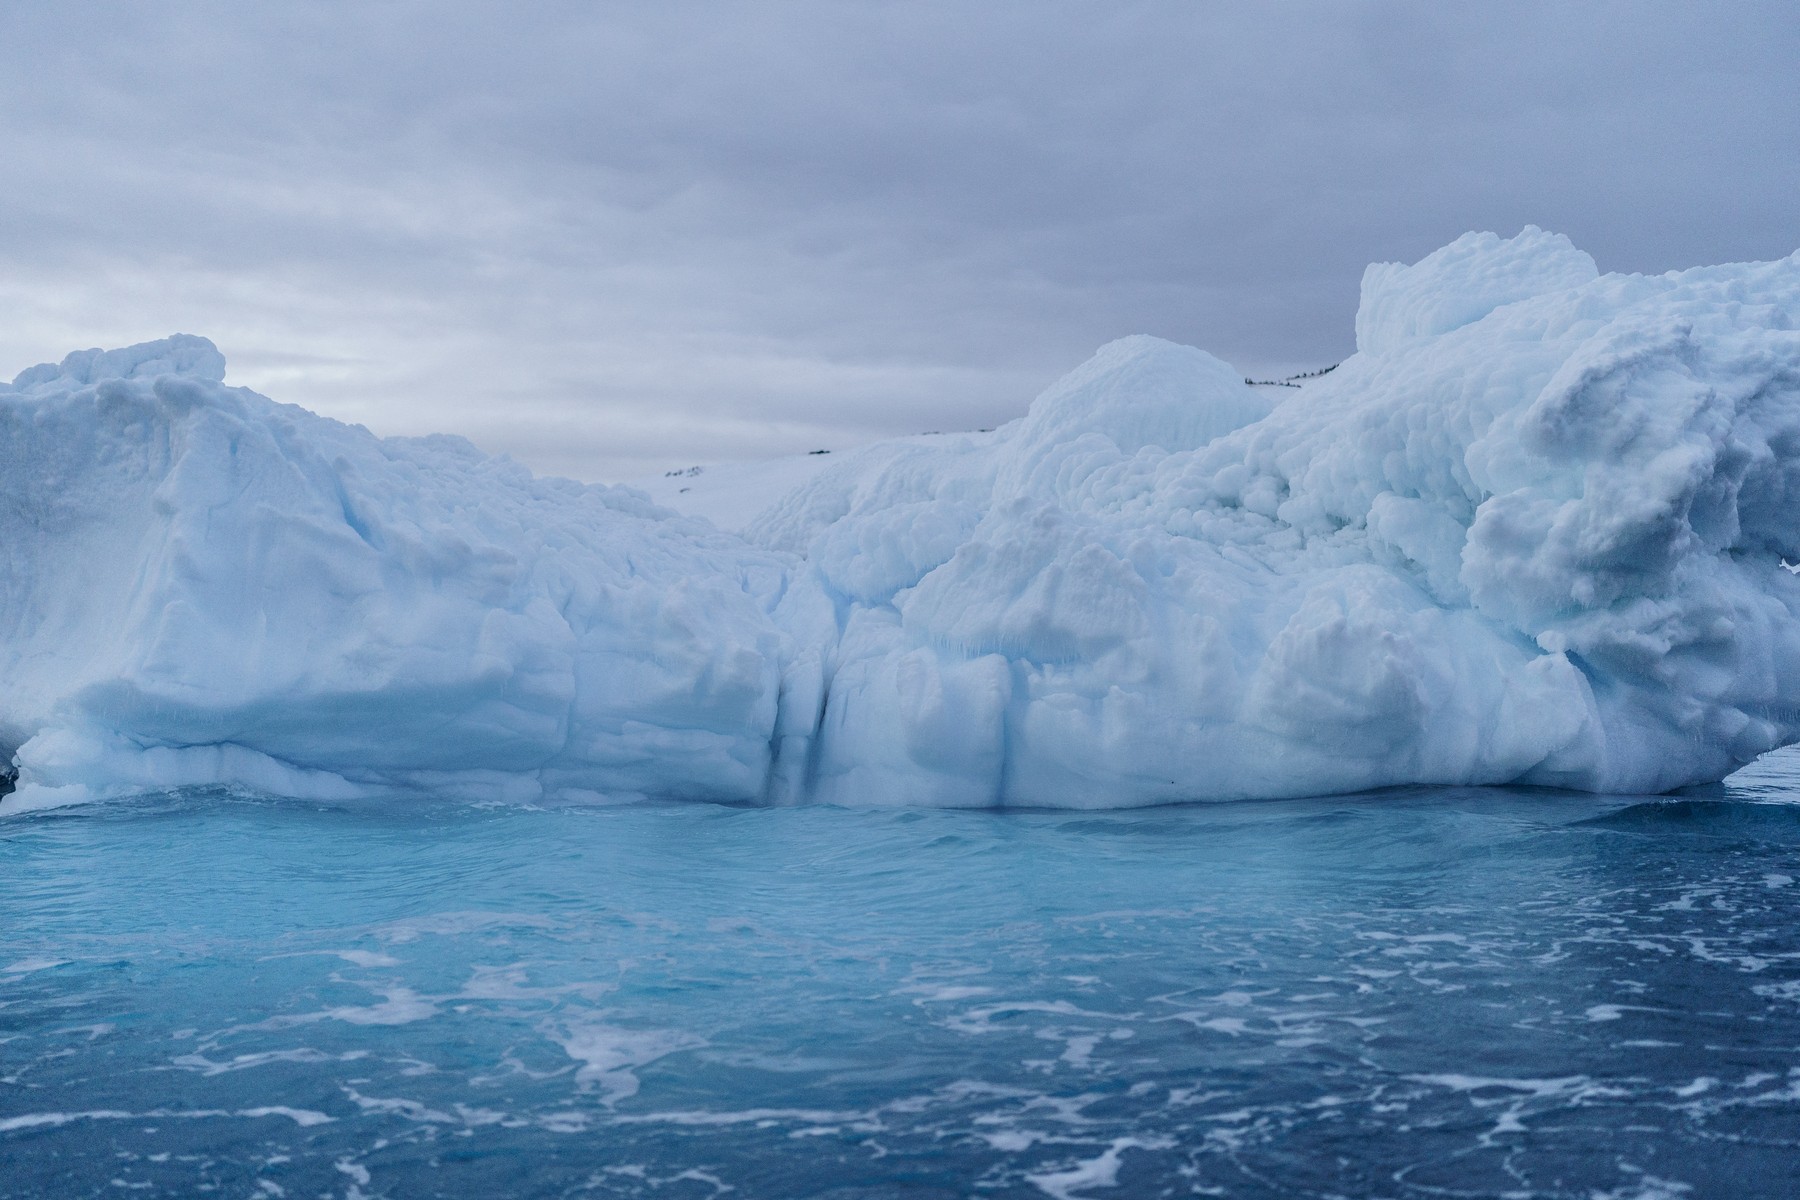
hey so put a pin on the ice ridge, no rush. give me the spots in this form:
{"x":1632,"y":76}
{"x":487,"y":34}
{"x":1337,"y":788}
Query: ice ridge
{"x":1533,"y":531}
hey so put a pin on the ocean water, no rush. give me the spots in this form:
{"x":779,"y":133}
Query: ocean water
{"x":1417,"y":993}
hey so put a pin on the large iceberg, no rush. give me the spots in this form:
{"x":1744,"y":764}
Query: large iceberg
{"x":1536,"y":530}
{"x":200,"y":586}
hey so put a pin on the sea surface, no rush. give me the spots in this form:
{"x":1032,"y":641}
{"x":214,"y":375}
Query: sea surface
{"x":1416,"y":993}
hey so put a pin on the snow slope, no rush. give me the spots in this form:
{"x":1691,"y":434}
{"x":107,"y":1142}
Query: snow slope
{"x":1533,"y":531}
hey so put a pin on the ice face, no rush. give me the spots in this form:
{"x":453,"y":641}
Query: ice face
{"x":201,"y":586}
{"x":1534,"y":531}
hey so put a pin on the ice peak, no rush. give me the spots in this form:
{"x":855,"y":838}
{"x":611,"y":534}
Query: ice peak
{"x":1143,"y":391}
{"x":1463,"y":282}
{"x":179,"y":354}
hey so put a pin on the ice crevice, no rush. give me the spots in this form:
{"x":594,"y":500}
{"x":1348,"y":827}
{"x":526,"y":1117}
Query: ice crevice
{"x":1538,"y":529}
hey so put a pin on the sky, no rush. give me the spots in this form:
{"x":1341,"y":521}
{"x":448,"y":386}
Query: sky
{"x":616,"y":239}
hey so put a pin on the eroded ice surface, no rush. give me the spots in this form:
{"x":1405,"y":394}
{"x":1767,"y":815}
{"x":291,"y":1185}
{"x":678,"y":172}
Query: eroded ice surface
{"x":201,"y":586}
{"x":1533,"y":531}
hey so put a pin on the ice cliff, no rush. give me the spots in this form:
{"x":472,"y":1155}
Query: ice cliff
{"x":1533,"y":531}
{"x":200,"y":586}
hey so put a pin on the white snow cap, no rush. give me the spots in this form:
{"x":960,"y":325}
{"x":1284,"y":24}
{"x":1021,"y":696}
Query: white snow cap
{"x":1534,"y":531}
{"x":182,"y":354}
{"x":1462,"y":283}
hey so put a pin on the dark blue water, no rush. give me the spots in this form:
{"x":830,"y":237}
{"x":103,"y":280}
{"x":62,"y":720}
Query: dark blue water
{"x":1425,"y":993}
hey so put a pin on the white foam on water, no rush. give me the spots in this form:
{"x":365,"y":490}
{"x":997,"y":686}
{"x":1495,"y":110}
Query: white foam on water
{"x":400,"y":1006}
{"x":26,"y":966}
{"x":609,"y":1054}
{"x":299,"y":1116}
{"x":244,"y":1062}
{"x":366,"y":958}
{"x":1102,"y":1171}
{"x":456,"y":924}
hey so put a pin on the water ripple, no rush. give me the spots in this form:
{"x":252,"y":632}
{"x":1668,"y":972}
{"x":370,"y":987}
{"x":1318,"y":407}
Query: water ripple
{"x":1450,"y":993}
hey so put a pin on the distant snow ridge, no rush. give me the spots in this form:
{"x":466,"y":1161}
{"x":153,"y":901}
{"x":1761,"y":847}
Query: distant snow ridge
{"x":1533,"y":531}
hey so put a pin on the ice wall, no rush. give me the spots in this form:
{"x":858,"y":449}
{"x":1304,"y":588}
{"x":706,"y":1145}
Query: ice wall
{"x":199,"y":586}
{"x":1534,"y":530}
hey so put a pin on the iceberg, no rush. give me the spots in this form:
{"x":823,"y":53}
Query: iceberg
{"x":1536,"y":530}
{"x":200,"y":586}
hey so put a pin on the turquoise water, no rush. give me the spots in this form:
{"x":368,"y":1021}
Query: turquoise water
{"x":1417,"y":993}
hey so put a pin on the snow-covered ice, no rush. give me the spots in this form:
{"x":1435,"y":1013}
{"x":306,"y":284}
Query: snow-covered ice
{"x":201,"y":586}
{"x":1533,"y":531}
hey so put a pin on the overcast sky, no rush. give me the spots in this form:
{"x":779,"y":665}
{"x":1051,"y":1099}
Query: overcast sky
{"x":614,"y":239}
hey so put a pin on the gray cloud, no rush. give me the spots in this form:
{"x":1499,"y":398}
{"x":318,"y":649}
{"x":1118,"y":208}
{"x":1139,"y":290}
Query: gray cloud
{"x":614,"y":239}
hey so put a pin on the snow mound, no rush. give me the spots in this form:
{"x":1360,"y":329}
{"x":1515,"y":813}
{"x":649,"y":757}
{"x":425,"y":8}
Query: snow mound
{"x":1534,"y":531}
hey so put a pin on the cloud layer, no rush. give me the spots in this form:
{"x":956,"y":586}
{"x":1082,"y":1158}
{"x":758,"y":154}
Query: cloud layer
{"x":612,"y":240}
